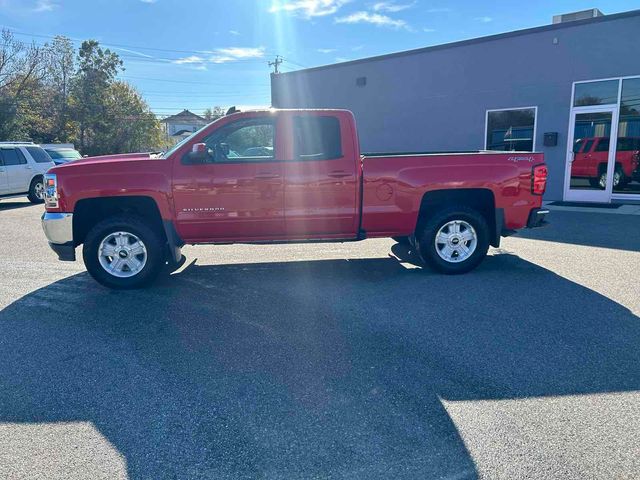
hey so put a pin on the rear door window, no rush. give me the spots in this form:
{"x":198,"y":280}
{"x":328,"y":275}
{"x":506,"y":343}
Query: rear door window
{"x":603,"y":145}
{"x":317,"y":138}
{"x":11,"y":156}
{"x":39,"y":155}
{"x":626,"y":144}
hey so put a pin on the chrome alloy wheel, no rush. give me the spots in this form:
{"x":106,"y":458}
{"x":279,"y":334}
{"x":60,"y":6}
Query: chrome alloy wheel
{"x":617,"y":176}
{"x":38,"y":190}
{"x":122,"y":254}
{"x":456,"y":241}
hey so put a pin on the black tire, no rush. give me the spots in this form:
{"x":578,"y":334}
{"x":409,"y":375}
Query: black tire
{"x":152,"y":240}
{"x":429,"y":229}
{"x":402,"y":240}
{"x":37,"y":185}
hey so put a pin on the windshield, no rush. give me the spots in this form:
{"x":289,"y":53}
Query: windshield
{"x":67,"y":154}
{"x":182,"y":142}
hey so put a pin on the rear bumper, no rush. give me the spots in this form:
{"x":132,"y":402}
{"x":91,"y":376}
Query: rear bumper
{"x":58,"y":228}
{"x":537,"y":218}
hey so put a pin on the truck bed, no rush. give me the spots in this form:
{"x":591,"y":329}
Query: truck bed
{"x":395,"y":185}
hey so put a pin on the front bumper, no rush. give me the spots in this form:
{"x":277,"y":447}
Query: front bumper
{"x":58,"y":228}
{"x":537,"y":218}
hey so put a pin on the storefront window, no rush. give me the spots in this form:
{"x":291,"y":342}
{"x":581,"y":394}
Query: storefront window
{"x":626,"y":177}
{"x":511,"y":130}
{"x":596,"y":93}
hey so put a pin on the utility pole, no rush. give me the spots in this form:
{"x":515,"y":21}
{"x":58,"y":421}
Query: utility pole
{"x":276,"y":63}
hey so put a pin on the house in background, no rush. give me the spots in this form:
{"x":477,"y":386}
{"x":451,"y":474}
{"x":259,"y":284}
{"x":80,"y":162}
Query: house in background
{"x":181,"y":125}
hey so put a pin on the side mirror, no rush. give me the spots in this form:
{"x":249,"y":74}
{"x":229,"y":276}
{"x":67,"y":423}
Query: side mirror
{"x":198,"y":153}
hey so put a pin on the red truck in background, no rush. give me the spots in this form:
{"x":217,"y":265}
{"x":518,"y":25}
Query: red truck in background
{"x":591,"y":155}
{"x":285,"y":176}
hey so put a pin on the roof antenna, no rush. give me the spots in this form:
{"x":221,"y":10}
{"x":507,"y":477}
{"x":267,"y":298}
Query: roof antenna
{"x":232,"y":110}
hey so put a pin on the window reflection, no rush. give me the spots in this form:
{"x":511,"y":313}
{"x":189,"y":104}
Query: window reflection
{"x":627,"y":172}
{"x":592,"y":133}
{"x":596,"y":93}
{"x":510,"y":130}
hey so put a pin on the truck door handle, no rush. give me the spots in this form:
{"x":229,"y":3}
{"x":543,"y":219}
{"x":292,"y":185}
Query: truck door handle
{"x":339,"y":174}
{"x":27,"y":167}
{"x":266,"y":176}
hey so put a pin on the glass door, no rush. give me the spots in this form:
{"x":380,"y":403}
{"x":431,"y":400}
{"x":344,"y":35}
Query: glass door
{"x":590,"y":156}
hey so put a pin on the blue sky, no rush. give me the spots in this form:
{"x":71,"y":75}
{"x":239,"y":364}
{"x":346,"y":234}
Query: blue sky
{"x":196,"y":54}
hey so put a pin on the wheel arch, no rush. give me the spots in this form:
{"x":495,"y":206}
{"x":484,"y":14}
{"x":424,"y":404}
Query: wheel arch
{"x":479,"y":199}
{"x":89,"y":211}
{"x":35,"y":176}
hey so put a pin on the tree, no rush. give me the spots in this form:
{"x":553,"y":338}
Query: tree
{"x":60,"y":73}
{"x":21,"y":71}
{"x":47,"y":96}
{"x":129,"y":125}
{"x":213,"y":114}
{"x":97,"y":69}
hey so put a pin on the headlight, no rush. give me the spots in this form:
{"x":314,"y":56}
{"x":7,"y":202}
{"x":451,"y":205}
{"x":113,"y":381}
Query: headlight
{"x":50,"y":190}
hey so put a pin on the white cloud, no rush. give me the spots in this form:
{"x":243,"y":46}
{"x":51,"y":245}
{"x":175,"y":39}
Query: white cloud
{"x":222,"y":55}
{"x":357,"y":48}
{"x":428,"y":30}
{"x":189,"y":60}
{"x":326,"y":50}
{"x":374,"y":19}
{"x":308,"y":8}
{"x":392,"y":7}
{"x":148,"y":1}
{"x":234,"y":32}
{"x":438,"y":10}
{"x":45,"y":5}
{"x":484,"y":19}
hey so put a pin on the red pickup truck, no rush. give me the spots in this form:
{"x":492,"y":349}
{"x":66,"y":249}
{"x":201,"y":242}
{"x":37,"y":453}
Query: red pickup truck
{"x":591,"y":155}
{"x":285,"y":176}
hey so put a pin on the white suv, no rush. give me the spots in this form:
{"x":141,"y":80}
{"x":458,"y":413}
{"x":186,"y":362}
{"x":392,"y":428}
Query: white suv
{"x":22,"y":166}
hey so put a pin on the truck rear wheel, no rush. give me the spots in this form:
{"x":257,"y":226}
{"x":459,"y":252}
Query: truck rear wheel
{"x":123,"y":252}
{"x":454,"y":240}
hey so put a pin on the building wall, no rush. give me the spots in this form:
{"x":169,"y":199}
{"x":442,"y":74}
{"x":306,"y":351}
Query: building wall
{"x":437,"y":99}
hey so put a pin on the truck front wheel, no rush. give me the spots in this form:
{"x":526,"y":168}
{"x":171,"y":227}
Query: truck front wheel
{"x":454,"y":240}
{"x":123,"y":253}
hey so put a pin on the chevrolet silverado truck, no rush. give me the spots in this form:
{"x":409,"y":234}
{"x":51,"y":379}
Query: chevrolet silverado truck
{"x":280,"y":176}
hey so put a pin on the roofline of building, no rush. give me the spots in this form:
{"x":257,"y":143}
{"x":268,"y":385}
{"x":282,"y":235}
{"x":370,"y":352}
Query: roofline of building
{"x":185,"y":111}
{"x":472,"y":41}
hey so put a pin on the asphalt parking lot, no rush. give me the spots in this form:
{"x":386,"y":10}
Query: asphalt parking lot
{"x":326,"y":361}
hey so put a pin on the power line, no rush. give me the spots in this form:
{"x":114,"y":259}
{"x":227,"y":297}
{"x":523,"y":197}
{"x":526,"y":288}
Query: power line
{"x":276,"y":64}
{"x":118,"y":45}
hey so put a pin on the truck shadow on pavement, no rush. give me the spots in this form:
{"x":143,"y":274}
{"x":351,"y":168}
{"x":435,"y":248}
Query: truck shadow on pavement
{"x":331,"y":369}
{"x":8,"y":205}
{"x":619,"y":232}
